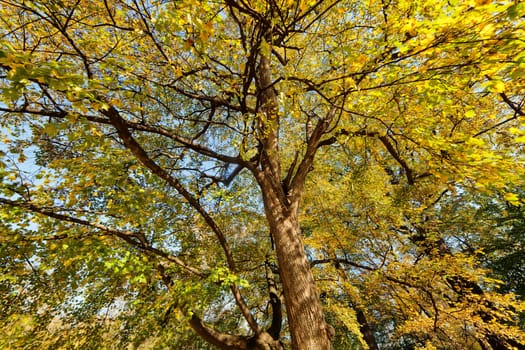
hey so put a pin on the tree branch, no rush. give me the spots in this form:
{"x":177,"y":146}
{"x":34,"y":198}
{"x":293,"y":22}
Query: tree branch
{"x":268,"y":120}
{"x":516,"y":108}
{"x":397,"y":157}
{"x":189,"y":143}
{"x":384,"y":140}
{"x":135,"y":239}
{"x":364,"y":325}
{"x":297,"y":184}
{"x":221,"y":340}
{"x":122,"y":129}
{"x":275,"y":327}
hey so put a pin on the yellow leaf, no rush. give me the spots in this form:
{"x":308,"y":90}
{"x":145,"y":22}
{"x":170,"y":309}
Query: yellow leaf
{"x":515,"y":131}
{"x":470,"y":113}
{"x":474,"y":141}
{"x":498,"y":86}
{"x":511,"y":197}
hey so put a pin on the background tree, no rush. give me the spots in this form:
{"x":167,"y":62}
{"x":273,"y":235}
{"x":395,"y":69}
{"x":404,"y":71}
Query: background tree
{"x":166,"y":170}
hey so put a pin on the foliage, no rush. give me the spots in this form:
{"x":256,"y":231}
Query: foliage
{"x":173,"y":178}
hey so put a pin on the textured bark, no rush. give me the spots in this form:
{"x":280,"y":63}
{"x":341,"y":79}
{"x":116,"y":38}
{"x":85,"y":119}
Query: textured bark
{"x":306,"y":321}
{"x":303,"y":306}
{"x":308,"y":328}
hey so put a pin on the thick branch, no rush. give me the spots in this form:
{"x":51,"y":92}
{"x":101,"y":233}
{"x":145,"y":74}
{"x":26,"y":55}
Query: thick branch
{"x":189,"y":143}
{"x":297,"y":185}
{"x":268,"y":175}
{"x":220,"y":340}
{"x":364,"y":326}
{"x":231,"y":342}
{"x":390,"y":148}
{"x":130,"y":143}
{"x":268,"y":120}
{"x":366,"y":330}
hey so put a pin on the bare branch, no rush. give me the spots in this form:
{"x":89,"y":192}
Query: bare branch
{"x":516,"y":108}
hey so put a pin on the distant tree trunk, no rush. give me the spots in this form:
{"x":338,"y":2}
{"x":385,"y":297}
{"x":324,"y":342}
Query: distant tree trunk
{"x":366,"y":331}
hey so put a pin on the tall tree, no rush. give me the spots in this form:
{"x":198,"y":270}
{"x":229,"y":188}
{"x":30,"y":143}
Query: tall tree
{"x":157,"y":155}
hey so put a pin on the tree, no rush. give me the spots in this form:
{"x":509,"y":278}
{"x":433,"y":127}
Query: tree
{"x":502,"y":242}
{"x":162,"y":162}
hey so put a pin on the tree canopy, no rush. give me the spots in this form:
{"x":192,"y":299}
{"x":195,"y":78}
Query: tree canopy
{"x":234,"y":174}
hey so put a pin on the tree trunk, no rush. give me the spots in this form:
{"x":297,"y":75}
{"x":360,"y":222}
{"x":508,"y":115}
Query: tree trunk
{"x":307,"y":325}
{"x":365,"y":329}
{"x":308,"y":328}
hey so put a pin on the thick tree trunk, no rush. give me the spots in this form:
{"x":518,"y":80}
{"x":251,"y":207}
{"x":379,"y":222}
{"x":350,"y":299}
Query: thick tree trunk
{"x":308,"y":328}
{"x":307,"y":325}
